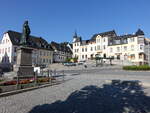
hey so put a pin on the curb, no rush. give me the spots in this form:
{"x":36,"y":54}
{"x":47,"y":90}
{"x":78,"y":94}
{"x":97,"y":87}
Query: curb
{"x":5,"y":94}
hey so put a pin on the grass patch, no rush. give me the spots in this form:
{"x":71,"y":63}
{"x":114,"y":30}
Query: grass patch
{"x":142,"y":67}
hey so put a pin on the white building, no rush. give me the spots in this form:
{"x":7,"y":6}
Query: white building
{"x":42,"y":52}
{"x":107,"y":44}
{"x":62,"y":51}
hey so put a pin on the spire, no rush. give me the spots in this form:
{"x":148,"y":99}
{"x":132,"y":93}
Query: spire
{"x":139,"y":32}
{"x":75,"y":34}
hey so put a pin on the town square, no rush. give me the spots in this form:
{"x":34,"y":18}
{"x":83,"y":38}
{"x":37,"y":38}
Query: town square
{"x":75,"y":56}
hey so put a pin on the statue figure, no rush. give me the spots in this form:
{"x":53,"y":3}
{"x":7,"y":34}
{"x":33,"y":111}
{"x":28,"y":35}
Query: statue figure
{"x":25,"y":34}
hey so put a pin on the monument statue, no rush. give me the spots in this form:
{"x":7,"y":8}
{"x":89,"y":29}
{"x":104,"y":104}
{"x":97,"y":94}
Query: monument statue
{"x":24,"y":54}
{"x":25,"y":34}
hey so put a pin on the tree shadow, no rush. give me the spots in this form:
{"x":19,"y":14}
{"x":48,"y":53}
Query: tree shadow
{"x":116,"y":97}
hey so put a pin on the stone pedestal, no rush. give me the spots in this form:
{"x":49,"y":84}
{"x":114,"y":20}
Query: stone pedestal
{"x":24,"y":62}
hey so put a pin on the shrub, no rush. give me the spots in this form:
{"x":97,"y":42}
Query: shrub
{"x":1,"y":80}
{"x":142,"y":67}
{"x":40,"y":80}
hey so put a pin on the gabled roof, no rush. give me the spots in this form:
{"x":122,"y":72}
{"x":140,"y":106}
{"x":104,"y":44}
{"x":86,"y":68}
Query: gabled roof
{"x":60,"y":47}
{"x":125,"y":36}
{"x":103,"y":34}
{"x":35,"y":42}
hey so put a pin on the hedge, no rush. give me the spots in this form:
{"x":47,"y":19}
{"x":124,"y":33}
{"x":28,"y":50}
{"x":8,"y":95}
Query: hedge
{"x":142,"y":67}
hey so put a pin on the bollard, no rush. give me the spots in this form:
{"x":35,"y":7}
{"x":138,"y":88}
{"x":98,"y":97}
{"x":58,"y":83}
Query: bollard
{"x":35,"y":78}
{"x":17,"y":80}
{"x":63,"y":75}
{"x":48,"y":75}
{"x":55,"y":72}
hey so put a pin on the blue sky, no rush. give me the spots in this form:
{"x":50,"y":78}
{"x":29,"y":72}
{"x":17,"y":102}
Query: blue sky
{"x":56,"y":20}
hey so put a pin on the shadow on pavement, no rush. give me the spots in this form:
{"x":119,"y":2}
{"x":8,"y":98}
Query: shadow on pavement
{"x":116,"y":97}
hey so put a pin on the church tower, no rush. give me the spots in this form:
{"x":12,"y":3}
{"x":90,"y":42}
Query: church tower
{"x":75,"y":37}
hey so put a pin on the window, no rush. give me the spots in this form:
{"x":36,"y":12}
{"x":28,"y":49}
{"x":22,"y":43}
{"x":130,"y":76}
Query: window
{"x":86,"y":56}
{"x":43,"y":60}
{"x":15,"y":49}
{"x":132,"y":47}
{"x":111,"y":49}
{"x":118,"y":49}
{"x":104,"y":55}
{"x":125,"y":48}
{"x":15,"y":58}
{"x":82,"y":49}
{"x":141,"y":47}
{"x":91,"y":48}
{"x":98,"y":47}
{"x":98,"y":40}
{"x":82,"y":56}
{"x":125,"y":41}
{"x":140,"y":56}
{"x":117,"y":41}
{"x":8,"y":49}
{"x":85,"y":49}
{"x":118,"y":57}
{"x":40,"y":52}
{"x":125,"y":57}
{"x":5,"y":50}
{"x":104,"y":39}
{"x":132,"y":56}
{"x":104,"y":47}
{"x":50,"y":61}
{"x":131,"y":39}
{"x":44,"y":53}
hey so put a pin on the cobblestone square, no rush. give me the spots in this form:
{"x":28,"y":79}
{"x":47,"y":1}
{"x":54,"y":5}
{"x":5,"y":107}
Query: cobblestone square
{"x":79,"y":78}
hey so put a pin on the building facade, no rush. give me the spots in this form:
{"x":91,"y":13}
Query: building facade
{"x":130,"y":47}
{"x":62,"y":51}
{"x":42,"y":52}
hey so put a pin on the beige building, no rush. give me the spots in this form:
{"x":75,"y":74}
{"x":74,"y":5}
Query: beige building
{"x":126,"y":48}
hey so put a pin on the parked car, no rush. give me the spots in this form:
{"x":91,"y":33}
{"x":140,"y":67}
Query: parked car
{"x":80,"y":63}
{"x":69,"y":64}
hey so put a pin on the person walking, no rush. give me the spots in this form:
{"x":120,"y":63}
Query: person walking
{"x":85,"y":65}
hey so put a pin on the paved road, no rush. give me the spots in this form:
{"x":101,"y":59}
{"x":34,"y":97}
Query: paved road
{"x":86,"y":90}
{"x":109,"y":70}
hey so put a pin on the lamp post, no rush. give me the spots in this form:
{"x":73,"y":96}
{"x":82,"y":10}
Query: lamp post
{"x":148,"y":53}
